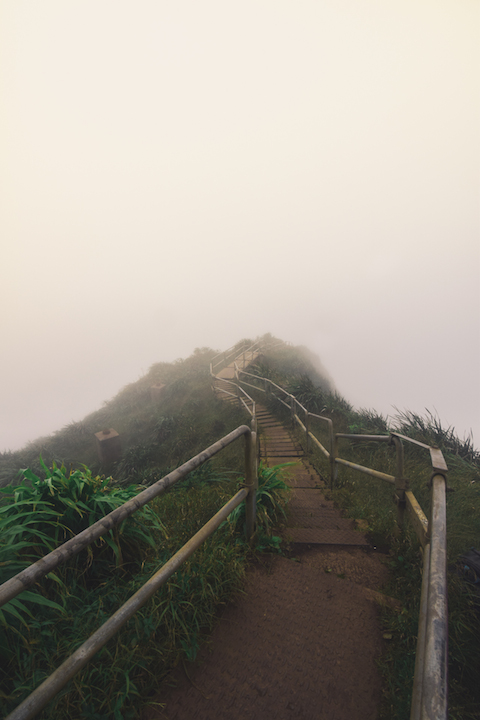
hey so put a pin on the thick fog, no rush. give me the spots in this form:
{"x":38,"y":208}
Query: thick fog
{"x":184,"y":174}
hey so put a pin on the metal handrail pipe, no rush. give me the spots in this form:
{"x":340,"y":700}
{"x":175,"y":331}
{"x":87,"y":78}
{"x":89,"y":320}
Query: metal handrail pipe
{"x":245,"y":372}
{"x":319,"y":444}
{"x":251,"y":482}
{"x":321,"y":417}
{"x":246,"y":406}
{"x":380,"y":438}
{"x":436,"y":455}
{"x":401,"y":482}
{"x":367,"y":471}
{"x":416,"y":705}
{"x":434,"y":695}
{"x":279,"y":388}
{"x":289,"y":395}
{"x":40,"y":697}
{"x":26,"y":578}
{"x":252,"y":386}
{"x":258,"y":377}
{"x":233,"y":348}
{"x":330,"y":455}
{"x":295,"y":416}
{"x":235,"y":385}
{"x":410,"y":440}
{"x":231,"y":352}
{"x":235,"y":394}
{"x":417,"y":517}
{"x":300,"y":404}
{"x":227,"y":392}
{"x":224,"y":357}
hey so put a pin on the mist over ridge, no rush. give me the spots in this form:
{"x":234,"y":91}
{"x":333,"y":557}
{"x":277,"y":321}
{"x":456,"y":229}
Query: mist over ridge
{"x":308,"y":365}
{"x":210,"y":172}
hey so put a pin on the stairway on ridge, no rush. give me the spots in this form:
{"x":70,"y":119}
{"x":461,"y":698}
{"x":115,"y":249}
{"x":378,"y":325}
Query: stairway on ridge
{"x":311,"y":518}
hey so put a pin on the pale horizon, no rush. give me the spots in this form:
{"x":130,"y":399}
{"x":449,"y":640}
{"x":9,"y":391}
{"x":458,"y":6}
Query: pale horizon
{"x":180,"y":175}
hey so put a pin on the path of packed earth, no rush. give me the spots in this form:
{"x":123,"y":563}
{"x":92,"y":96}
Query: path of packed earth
{"x":301,"y":641}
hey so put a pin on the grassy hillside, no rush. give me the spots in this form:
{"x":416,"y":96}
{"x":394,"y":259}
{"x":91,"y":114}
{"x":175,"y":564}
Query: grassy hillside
{"x":155,"y":435}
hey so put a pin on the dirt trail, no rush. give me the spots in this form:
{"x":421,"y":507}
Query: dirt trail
{"x":301,"y":641}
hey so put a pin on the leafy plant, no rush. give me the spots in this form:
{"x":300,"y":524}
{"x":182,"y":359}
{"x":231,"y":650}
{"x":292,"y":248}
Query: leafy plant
{"x":41,"y":513}
{"x":167,"y":628}
{"x":272,"y":494}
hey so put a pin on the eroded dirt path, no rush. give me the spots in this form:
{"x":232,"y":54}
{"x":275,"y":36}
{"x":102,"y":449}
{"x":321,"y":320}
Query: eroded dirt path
{"x":301,"y":641}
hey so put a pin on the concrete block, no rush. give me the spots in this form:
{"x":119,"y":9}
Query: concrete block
{"x":108,"y":446}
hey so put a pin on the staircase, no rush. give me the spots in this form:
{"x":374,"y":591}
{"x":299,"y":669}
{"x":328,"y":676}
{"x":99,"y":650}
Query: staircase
{"x":312,"y":518}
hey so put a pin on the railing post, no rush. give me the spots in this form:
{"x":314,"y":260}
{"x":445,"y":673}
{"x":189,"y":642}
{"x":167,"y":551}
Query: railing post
{"x":400,"y":482}
{"x":416,"y":706}
{"x":307,"y":430}
{"x":333,"y":457}
{"x":292,"y":410}
{"x":251,"y":482}
{"x":333,"y":454}
{"x":434,"y":696}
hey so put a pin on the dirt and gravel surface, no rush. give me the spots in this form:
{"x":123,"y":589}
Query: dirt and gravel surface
{"x":302,"y":639}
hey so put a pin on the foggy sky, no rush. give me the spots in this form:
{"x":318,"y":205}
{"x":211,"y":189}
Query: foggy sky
{"x":184,"y":174}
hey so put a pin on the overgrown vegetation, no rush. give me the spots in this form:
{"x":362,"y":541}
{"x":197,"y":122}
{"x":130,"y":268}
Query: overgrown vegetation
{"x":73,"y":602}
{"x":363,"y":497}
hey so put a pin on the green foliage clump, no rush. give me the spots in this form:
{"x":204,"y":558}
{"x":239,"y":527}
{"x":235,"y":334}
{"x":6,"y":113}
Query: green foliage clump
{"x":272,"y":496}
{"x":41,"y":513}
